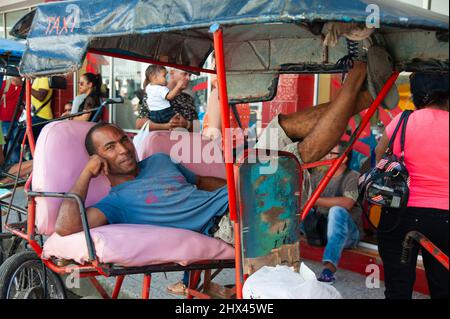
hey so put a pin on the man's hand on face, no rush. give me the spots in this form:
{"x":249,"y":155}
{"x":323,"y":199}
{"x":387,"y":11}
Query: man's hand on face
{"x":96,"y":166}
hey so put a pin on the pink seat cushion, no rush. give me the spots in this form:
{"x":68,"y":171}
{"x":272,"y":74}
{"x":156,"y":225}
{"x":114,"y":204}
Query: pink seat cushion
{"x":193,"y":150}
{"x":59,"y":159}
{"x":139,"y":245}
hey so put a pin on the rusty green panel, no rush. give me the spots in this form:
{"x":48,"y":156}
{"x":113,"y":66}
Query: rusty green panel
{"x":270,"y":206}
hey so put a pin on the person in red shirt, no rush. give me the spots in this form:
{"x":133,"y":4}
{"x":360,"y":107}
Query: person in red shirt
{"x":9,"y":97}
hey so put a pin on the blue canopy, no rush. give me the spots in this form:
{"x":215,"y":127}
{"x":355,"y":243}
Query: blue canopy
{"x":262,"y":37}
{"x":10,"y":54}
{"x":11,"y":50}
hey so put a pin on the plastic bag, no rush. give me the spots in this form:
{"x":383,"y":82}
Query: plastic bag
{"x":139,"y":140}
{"x":282,"y":282}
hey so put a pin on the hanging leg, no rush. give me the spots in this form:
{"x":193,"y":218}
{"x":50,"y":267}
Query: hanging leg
{"x":365,"y":121}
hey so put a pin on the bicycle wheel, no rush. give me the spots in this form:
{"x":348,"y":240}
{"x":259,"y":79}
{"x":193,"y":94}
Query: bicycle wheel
{"x":22,"y":277}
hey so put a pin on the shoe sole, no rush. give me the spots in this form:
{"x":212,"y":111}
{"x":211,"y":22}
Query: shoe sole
{"x":379,"y":69}
{"x":178,"y":293}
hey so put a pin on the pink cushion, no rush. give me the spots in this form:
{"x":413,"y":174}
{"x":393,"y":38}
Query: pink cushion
{"x":61,"y":156}
{"x":193,"y":150}
{"x":139,"y":245}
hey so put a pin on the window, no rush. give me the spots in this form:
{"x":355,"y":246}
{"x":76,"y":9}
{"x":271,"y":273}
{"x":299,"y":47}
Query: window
{"x":127,"y":81}
{"x":12,"y":18}
{"x":2,"y":26}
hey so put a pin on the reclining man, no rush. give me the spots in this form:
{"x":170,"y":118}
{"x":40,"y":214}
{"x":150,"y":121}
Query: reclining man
{"x":155,"y":191}
{"x":159,"y":192}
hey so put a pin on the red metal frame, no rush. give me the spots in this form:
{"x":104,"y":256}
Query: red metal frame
{"x":146,"y":287}
{"x":28,"y":116}
{"x":435,"y":252}
{"x":228,"y":146}
{"x":117,"y":287}
{"x":426,"y":244}
{"x":316,"y":164}
{"x":144,"y":60}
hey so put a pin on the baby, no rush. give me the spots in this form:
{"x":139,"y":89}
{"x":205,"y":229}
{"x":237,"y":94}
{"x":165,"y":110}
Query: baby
{"x":159,"y":95}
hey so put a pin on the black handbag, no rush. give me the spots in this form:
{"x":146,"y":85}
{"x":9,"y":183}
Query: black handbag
{"x":387,"y":184}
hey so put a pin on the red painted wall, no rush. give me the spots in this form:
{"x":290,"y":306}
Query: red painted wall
{"x":295,"y":93}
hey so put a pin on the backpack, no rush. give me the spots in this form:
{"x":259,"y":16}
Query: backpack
{"x":387,"y":184}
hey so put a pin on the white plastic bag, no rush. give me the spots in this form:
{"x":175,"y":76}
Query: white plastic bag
{"x":282,"y":282}
{"x":139,"y":140}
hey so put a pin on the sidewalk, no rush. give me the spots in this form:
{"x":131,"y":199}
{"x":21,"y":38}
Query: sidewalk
{"x":349,"y":284}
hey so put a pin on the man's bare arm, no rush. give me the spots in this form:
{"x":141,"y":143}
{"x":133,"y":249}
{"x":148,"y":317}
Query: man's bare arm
{"x":210,"y":184}
{"x":39,"y":95}
{"x":382,"y":147}
{"x":328,"y":202}
{"x":69,"y":218}
{"x":175,"y":91}
{"x":175,"y":122}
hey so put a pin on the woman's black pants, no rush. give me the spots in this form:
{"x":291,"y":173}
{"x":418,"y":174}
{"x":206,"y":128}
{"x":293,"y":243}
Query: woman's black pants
{"x":400,"y":278}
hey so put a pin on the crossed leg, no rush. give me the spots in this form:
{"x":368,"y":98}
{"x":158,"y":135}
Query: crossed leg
{"x":320,"y":128}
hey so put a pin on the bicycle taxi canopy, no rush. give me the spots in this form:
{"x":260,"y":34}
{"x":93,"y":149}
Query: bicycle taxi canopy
{"x":253,"y":42}
{"x":10,"y":55}
{"x":262,"y":38}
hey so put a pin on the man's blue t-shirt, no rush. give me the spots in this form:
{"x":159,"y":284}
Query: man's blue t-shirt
{"x":164,"y":194}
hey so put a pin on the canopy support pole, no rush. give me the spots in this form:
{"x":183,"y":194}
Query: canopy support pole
{"x":29,"y":130}
{"x":150,"y":61}
{"x":227,"y":146}
{"x":338,"y":162}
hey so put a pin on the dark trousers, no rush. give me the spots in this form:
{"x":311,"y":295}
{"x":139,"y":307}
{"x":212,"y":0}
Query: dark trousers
{"x":400,"y":278}
{"x":163,"y":116}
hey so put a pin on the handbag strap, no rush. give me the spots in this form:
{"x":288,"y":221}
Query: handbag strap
{"x":405,"y":115}
{"x":403,"y":137}
{"x":43,"y":105}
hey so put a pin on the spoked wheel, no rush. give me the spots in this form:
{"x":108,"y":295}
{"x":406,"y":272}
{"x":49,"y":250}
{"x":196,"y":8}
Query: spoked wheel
{"x":22,"y":277}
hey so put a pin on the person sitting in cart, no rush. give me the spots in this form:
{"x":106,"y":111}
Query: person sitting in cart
{"x":338,"y":204}
{"x":159,"y":95}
